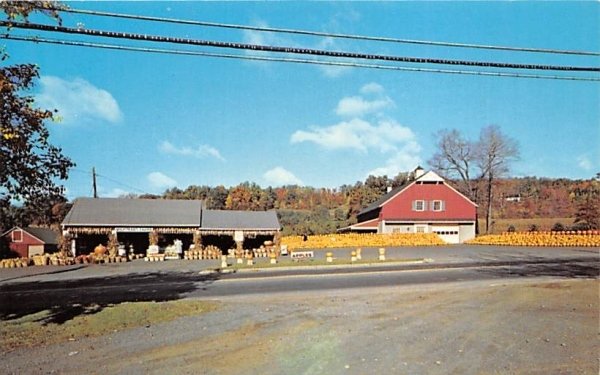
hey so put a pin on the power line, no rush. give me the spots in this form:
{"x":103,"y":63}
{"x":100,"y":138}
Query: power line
{"x":289,"y":60}
{"x":328,"y":35}
{"x":291,"y":50}
{"x":110,"y":179}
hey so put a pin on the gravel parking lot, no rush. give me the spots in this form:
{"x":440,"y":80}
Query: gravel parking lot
{"x":512,"y":325}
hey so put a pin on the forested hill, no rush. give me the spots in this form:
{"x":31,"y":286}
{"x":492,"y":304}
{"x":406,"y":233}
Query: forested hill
{"x":320,"y":210}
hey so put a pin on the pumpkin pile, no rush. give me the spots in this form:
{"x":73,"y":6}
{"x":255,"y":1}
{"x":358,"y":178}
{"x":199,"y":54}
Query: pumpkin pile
{"x":328,"y":241}
{"x":15,"y":263}
{"x":590,"y":238}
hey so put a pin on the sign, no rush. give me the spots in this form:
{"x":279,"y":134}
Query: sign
{"x":133,"y":230}
{"x":238,"y":236}
{"x":302,"y":254}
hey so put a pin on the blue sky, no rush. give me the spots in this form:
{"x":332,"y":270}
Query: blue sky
{"x":149,"y":121}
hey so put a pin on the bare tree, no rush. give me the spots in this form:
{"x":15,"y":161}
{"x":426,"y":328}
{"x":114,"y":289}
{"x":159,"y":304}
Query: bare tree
{"x":471,"y":162}
{"x":454,"y":159}
{"x":493,"y":154}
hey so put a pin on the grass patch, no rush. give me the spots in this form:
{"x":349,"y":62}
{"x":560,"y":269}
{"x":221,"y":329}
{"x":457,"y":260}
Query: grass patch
{"x":320,"y":262}
{"x":30,"y":330}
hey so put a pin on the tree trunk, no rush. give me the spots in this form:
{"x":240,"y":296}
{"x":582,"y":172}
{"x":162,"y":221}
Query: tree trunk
{"x":488,"y":216}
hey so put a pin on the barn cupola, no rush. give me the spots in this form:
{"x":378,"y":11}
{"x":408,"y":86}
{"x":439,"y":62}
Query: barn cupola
{"x":418,"y":172}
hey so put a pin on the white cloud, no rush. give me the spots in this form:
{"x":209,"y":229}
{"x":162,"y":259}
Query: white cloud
{"x":202,"y":151}
{"x":357,"y":134}
{"x":356,"y":106}
{"x":116,"y":193}
{"x":273,"y":39}
{"x":584,"y":162}
{"x":78,"y":101}
{"x":160,"y":180}
{"x":264,"y":38}
{"x":333,"y":71}
{"x":280,"y":176}
{"x":405,"y":159}
{"x":362,"y":133}
{"x":372,"y":88}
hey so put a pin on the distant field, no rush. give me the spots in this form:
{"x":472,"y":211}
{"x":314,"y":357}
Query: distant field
{"x":501,"y":225}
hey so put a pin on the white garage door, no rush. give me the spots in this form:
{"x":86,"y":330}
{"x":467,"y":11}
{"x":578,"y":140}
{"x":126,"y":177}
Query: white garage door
{"x":448,"y":233}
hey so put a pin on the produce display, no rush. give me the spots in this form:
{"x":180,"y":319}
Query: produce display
{"x":559,"y":239}
{"x":155,"y":258}
{"x":208,"y":252}
{"x":327,"y":241}
{"x":15,"y":262}
{"x":59,"y":260}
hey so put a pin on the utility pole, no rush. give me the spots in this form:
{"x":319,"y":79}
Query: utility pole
{"x":94,"y":182}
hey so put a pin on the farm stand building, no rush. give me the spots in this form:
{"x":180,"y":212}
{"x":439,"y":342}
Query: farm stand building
{"x":30,"y":241}
{"x":91,"y":220}
{"x":428,"y":204}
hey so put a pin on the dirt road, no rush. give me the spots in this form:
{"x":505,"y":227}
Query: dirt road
{"x":511,"y":326}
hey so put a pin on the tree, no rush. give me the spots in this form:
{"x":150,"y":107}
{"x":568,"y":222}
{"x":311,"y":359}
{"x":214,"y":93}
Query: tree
{"x":488,"y":158}
{"x":454,"y":159}
{"x":217,"y":197}
{"x":29,"y":165}
{"x":22,"y":9}
{"x":493,"y":153}
{"x":588,"y":208}
{"x":588,"y":215}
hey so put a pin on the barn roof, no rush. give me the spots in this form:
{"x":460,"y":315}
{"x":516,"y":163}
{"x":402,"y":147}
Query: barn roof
{"x":134,"y":212}
{"x":119,"y":212}
{"x":384,"y":198}
{"x":220,"y":219}
{"x":427,"y":177}
{"x":46,"y":235}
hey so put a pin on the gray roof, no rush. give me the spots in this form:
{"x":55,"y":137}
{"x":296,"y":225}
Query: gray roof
{"x":115,"y":212}
{"x":219,"y":219}
{"x":46,"y":235}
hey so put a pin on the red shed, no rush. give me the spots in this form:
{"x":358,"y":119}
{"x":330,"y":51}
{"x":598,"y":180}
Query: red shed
{"x":31,"y":241}
{"x":427,"y":204}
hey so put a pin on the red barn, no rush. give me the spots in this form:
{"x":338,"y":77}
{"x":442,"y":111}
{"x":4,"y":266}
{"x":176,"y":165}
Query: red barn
{"x":29,"y":241}
{"x":427,"y":204}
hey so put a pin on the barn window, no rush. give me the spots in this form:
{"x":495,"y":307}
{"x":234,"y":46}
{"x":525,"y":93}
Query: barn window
{"x":17,"y":235}
{"x":419,"y":205}
{"x":437,"y":205}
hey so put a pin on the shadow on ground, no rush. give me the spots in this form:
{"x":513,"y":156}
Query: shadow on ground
{"x":67,"y":299}
{"x":573,"y":270}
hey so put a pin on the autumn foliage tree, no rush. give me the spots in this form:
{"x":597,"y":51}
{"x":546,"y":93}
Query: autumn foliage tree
{"x":30,"y":166}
